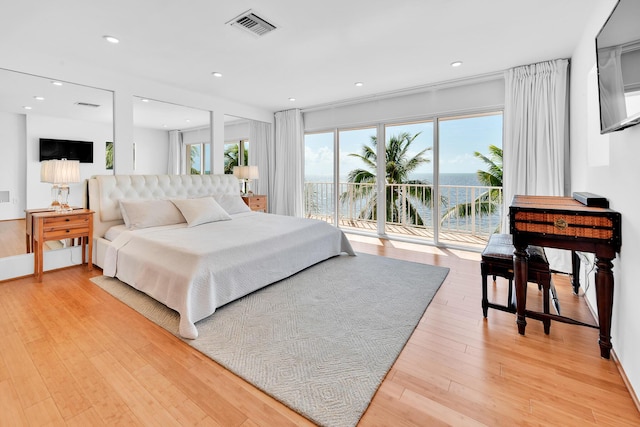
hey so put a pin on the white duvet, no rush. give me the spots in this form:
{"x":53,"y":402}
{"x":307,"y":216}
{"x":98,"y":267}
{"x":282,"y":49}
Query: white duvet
{"x":195,"y":270}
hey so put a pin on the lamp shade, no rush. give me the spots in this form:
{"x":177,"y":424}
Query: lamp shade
{"x":246,"y":172}
{"x":64,"y":171}
{"x":46,"y":171}
{"x":252,"y":172}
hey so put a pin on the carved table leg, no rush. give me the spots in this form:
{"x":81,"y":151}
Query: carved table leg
{"x":604,"y":295}
{"x":520,"y":273}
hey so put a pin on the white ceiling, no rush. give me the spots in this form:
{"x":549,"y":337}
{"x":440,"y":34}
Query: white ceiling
{"x":317,"y":53}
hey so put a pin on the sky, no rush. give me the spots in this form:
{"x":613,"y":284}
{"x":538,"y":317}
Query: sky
{"x":459,"y":139}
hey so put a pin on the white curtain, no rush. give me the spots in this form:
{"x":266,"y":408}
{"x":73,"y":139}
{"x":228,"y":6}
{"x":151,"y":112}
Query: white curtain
{"x":175,"y":164}
{"x":536,"y":139}
{"x":612,"y":101}
{"x":286,"y":196}
{"x":261,"y":156}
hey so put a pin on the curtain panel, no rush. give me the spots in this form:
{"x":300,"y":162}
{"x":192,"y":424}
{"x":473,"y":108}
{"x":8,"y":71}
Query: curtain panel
{"x":536,"y":142}
{"x":260,"y":138}
{"x":287,"y":175}
{"x":176,"y":153}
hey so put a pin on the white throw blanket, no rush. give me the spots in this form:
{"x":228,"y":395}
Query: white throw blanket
{"x":195,"y":270}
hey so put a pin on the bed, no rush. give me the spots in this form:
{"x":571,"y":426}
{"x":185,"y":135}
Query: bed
{"x":191,"y":243}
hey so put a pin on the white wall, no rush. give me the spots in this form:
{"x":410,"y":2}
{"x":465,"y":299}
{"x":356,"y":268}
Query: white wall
{"x":608,"y":165}
{"x":12,"y":174}
{"x":152,"y":151}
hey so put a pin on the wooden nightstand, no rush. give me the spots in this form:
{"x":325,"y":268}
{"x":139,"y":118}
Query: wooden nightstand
{"x":256,"y":202}
{"x":61,"y":225}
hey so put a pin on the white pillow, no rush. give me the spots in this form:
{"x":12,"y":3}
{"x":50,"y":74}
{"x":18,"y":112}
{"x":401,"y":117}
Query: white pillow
{"x":233,"y":204}
{"x":149,"y":213}
{"x":201,"y":211}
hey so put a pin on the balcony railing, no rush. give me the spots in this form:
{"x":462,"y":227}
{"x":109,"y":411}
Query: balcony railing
{"x":464,"y":210}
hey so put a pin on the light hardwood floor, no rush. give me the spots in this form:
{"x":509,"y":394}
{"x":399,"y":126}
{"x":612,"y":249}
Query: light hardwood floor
{"x":70,"y":354}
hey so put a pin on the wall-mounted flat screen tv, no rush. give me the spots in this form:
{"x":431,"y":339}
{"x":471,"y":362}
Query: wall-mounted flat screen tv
{"x":618,"y":62}
{"x":56,"y":149}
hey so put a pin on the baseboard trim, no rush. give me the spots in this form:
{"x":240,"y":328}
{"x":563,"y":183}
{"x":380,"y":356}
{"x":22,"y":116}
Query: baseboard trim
{"x":619,"y":366}
{"x":626,"y":381}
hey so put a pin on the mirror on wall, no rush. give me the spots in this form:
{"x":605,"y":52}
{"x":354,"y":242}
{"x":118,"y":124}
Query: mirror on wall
{"x":158,"y":125}
{"x":34,"y":108}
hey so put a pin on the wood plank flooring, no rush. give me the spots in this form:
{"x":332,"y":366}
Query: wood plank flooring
{"x":70,"y":354}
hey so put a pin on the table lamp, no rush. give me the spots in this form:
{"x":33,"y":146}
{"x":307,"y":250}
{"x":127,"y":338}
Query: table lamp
{"x":65,"y":172}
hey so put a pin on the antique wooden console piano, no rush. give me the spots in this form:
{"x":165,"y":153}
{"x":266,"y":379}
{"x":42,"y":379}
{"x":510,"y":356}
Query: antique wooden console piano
{"x":565,"y":223}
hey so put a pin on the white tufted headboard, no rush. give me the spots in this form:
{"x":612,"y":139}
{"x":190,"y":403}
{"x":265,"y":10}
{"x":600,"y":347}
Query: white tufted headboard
{"x":105,"y":191}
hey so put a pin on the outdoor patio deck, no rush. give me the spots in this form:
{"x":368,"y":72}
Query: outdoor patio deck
{"x":451,"y":238}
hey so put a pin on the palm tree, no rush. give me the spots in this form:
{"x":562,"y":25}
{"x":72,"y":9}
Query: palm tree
{"x":487,"y":202}
{"x":398,"y":167}
{"x":231,"y":157}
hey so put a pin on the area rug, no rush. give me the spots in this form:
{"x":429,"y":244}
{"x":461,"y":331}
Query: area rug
{"x":320,"y":341}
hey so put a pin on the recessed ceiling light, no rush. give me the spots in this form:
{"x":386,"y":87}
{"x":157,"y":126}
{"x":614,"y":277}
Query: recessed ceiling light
{"x":188,"y":120}
{"x":111,"y":39}
{"x":56,"y":83}
{"x":39,"y":98}
{"x":359,"y":84}
{"x":456,"y":63}
{"x":164,"y":126}
{"x":144,"y":100}
{"x":26,"y":107}
{"x":292,"y":99}
{"x":217,"y":74}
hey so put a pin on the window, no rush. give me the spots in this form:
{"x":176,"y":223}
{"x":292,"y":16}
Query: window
{"x":410,"y":192}
{"x":357,"y":165}
{"x":236,"y":154}
{"x":199,"y":159}
{"x":442,"y":178}
{"x":470,"y":175}
{"x":318,"y":176}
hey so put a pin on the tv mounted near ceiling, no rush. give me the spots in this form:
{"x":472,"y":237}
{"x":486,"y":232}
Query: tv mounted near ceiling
{"x":618,"y":64}
{"x":56,"y":149}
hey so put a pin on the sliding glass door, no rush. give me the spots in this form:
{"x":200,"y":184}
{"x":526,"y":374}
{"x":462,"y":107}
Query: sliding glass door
{"x":470,"y":178}
{"x":409,"y":179}
{"x":440,"y":180}
{"x":357,"y":163}
{"x":319,"y":186}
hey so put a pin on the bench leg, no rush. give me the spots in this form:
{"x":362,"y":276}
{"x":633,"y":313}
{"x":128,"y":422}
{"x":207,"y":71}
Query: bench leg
{"x":485,"y":299}
{"x":545,"y":282}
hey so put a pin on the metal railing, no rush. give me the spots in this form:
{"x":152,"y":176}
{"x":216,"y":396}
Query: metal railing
{"x":409,"y":206}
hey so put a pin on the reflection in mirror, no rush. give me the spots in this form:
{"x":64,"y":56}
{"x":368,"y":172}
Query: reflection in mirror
{"x":31,"y":108}
{"x":236,"y":142}
{"x":170,"y":138}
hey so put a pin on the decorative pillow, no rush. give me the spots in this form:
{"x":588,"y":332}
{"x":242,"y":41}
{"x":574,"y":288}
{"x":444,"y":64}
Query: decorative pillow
{"x":149,"y":213}
{"x":233,"y":204}
{"x":201,"y":211}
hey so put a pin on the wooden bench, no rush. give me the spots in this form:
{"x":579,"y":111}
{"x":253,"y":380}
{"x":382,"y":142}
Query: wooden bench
{"x":497,"y":261}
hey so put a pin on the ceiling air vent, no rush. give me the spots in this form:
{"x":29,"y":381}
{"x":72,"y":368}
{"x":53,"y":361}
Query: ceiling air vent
{"x":87,"y":104}
{"x":249,"y":21}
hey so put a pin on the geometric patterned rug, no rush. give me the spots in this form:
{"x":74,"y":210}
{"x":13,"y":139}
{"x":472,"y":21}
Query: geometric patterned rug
{"x":320,"y":341}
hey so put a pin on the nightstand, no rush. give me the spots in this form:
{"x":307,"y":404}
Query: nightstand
{"x":256,"y":202}
{"x":51,"y":225}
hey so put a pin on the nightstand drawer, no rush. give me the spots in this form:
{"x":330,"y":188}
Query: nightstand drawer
{"x":256,"y":202}
{"x":65,"y":233}
{"x":71,"y":221}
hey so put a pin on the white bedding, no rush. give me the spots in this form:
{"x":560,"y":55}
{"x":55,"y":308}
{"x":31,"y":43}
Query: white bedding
{"x":195,"y":270}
